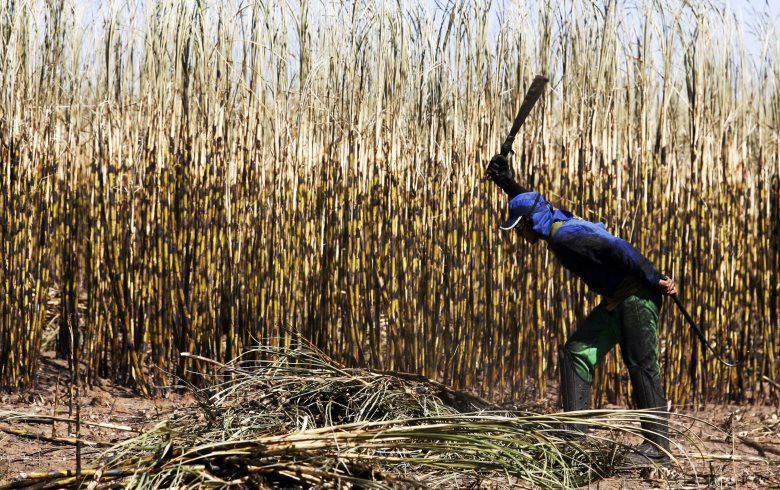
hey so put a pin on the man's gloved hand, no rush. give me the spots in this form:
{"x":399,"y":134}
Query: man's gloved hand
{"x":499,"y":167}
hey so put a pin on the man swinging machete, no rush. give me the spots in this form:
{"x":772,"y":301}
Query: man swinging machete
{"x":630,"y":285}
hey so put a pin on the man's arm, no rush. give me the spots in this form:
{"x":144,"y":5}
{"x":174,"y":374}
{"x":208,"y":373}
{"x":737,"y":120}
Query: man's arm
{"x":500,"y":172}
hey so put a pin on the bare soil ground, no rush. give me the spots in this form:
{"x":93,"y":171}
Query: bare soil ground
{"x":737,"y":447}
{"x":105,"y":403}
{"x":741,"y":449}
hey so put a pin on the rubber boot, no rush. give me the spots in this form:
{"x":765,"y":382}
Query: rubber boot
{"x":648,"y":394}
{"x":575,"y":392}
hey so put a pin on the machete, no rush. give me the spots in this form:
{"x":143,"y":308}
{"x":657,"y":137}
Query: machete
{"x":535,"y":91}
{"x":533,"y":94}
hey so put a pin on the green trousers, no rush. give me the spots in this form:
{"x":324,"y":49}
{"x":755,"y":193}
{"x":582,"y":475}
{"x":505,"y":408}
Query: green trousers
{"x":633,"y":324}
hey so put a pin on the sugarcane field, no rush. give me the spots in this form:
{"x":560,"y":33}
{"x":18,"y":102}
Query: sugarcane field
{"x":389,"y":244}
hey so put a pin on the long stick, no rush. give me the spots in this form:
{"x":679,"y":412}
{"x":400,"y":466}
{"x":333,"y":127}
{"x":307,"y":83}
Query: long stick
{"x":700,"y":334}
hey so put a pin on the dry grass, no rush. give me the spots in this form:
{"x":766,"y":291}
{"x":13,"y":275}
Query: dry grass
{"x":187,"y":176}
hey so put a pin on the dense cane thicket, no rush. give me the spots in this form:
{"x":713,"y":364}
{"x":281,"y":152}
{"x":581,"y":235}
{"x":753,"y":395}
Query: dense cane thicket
{"x":187,"y":176}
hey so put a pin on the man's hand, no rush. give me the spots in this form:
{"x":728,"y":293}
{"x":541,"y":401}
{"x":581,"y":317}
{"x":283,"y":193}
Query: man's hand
{"x":667,"y":286}
{"x":499,"y":167}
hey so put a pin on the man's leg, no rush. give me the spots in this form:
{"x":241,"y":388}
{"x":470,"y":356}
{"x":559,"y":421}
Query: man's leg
{"x":584,"y":350}
{"x":639,"y":345}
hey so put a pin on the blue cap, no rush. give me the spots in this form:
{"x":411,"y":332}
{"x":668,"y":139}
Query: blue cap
{"x":521,"y":207}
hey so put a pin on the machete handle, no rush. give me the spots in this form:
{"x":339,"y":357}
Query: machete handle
{"x":506,"y":146}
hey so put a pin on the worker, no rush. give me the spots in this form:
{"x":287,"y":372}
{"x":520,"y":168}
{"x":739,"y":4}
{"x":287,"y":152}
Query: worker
{"x":631,"y":288}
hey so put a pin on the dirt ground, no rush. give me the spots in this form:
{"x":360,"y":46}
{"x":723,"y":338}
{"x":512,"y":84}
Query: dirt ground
{"x":106,"y":404}
{"x":740,"y":449}
{"x":732,"y":447}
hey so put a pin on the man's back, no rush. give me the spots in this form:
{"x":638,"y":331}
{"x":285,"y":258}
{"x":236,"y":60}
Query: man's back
{"x":602,"y":260}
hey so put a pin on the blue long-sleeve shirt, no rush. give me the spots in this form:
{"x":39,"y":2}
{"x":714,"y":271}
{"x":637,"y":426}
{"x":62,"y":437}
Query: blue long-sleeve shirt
{"x":587,"y":249}
{"x":600,"y":259}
